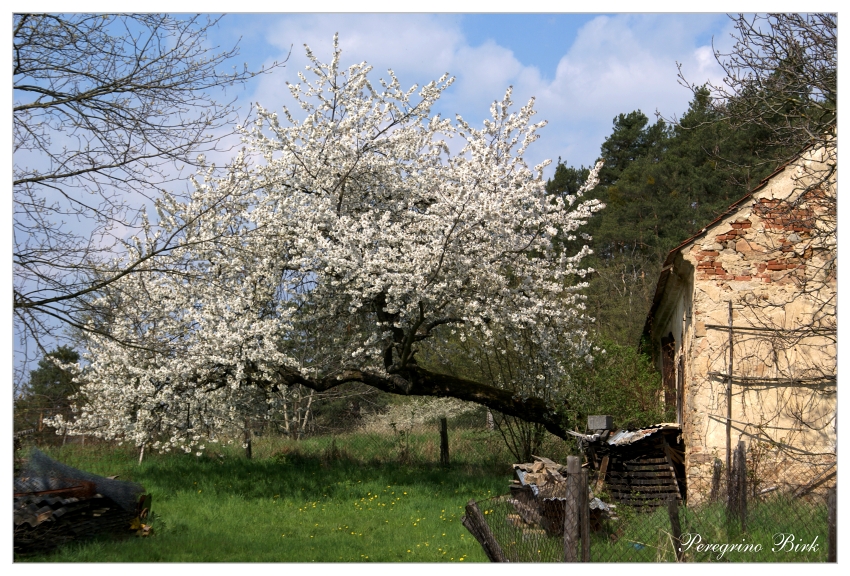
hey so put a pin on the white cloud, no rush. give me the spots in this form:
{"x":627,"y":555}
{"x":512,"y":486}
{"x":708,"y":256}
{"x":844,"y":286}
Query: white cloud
{"x":615,"y":65}
{"x":419,"y":48}
{"x":618,"y":64}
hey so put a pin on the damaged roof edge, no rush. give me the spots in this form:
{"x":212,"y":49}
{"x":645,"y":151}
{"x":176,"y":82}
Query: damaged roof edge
{"x":668,"y":262}
{"x":626,"y":437}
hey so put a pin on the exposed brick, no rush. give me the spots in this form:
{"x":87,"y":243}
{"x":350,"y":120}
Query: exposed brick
{"x":743,"y":277}
{"x":709,"y":253}
{"x":776,"y":266}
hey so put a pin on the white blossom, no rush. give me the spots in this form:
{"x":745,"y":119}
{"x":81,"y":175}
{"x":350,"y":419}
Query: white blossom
{"x":357,"y":232}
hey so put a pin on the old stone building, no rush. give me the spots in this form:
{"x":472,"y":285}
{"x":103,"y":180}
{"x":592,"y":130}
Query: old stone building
{"x":743,"y":330}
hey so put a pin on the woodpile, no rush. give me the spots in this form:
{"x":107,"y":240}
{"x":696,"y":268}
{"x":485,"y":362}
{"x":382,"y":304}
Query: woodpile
{"x":538,"y":494}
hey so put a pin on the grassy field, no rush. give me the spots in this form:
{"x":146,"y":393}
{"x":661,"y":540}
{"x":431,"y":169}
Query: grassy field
{"x":291,"y":503}
{"x":363,"y":498}
{"x":778,"y":530}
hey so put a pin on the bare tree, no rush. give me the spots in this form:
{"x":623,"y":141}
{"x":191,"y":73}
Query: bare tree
{"x":780,"y":75}
{"x":781,"y":80}
{"x":108,"y":110}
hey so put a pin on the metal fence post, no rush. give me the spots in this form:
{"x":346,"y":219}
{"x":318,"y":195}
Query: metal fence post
{"x":444,"y":442}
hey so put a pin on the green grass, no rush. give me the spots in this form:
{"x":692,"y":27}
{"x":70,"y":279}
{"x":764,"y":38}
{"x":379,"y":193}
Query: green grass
{"x":646,"y":537}
{"x":291,"y":503}
{"x":380,"y":498}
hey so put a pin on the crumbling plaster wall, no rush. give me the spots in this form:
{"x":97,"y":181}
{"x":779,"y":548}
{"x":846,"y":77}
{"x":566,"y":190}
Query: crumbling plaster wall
{"x":777,"y":268}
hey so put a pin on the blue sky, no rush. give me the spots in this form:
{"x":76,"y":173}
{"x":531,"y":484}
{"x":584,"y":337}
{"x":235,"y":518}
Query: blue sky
{"x":582,"y":69}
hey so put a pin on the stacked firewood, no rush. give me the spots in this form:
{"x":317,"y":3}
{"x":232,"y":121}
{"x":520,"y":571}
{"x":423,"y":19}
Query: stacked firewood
{"x":538,"y":494}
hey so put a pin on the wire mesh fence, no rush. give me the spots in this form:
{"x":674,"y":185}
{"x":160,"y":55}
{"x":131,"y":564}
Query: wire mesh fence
{"x":461,"y":443}
{"x":407,"y":433}
{"x":765,"y":509}
{"x":738,"y":526}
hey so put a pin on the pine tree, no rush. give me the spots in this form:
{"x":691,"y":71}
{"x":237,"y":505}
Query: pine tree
{"x":46,"y":394}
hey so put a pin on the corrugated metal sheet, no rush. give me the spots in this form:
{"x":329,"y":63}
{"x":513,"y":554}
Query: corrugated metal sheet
{"x":641,"y":469}
{"x":625,"y":437}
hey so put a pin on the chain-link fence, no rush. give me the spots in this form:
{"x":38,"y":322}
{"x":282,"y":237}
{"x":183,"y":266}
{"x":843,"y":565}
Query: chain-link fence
{"x":737,"y":525}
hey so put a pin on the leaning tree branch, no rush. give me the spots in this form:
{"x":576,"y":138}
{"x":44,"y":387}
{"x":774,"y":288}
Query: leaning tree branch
{"x":417,"y":381}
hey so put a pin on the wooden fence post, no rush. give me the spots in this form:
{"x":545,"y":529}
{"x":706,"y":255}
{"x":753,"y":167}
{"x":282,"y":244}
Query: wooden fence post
{"x":476,"y":524}
{"x":831,"y":554}
{"x":736,"y":499}
{"x":248,"y":451}
{"x":603,"y":469}
{"x":584,"y":507}
{"x":742,"y":485}
{"x":729,"y":476}
{"x":732,"y":490}
{"x":444,"y":442}
{"x":572,"y":511}
{"x":715,"y":481}
{"x":675,"y":527}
